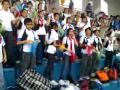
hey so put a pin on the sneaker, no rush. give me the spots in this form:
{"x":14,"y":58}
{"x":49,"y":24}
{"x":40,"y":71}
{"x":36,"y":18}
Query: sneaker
{"x":61,"y":82}
{"x":54,"y":83}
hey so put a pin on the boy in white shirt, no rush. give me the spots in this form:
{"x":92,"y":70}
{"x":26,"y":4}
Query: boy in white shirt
{"x":28,"y":40}
{"x":3,"y":59}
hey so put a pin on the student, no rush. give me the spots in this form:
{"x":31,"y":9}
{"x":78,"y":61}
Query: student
{"x":27,"y":40}
{"x":7,"y":18}
{"x":69,"y":41}
{"x":108,"y":51}
{"x":97,"y":47}
{"x":3,"y":59}
{"x":20,"y":30}
{"x":51,"y":40}
{"x":86,"y":45}
{"x":68,"y":25}
{"x":41,"y":32}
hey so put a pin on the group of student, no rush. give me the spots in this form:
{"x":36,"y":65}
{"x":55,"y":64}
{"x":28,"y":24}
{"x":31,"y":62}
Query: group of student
{"x":30,"y":38}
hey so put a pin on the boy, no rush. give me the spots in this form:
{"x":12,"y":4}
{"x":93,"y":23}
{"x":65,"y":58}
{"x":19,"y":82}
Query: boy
{"x":3,"y":59}
{"x":28,"y":40}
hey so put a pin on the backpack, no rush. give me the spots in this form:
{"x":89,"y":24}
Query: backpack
{"x":113,"y":75}
{"x":84,"y":84}
{"x":102,"y":75}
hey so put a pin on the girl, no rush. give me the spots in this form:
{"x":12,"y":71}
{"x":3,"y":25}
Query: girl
{"x":51,"y":40}
{"x":69,"y":41}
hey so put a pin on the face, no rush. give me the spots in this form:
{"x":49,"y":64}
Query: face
{"x":97,"y":33}
{"x":6,"y":5}
{"x":29,"y":25}
{"x":24,"y":13}
{"x":71,"y":33}
{"x":69,"y":20}
{"x":57,"y":17}
{"x":88,"y":32}
{"x":40,"y":14}
{"x":85,"y":20}
{"x":54,"y":10}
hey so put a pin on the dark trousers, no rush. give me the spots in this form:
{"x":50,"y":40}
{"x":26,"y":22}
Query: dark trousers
{"x":28,"y":61}
{"x":66,"y":68}
{"x":40,"y":48}
{"x":94,"y":61}
{"x":10,"y":48}
{"x":86,"y":65}
{"x":50,"y":66}
{"x":108,"y":60}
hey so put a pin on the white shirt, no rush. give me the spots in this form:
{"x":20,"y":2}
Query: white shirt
{"x":67,"y":26}
{"x":67,"y":40}
{"x":95,"y":38}
{"x":110,"y":44}
{"x":41,"y":30}
{"x":88,"y":43}
{"x":53,"y":37}
{"x":66,"y":16}
{"x":7,"y":17}
{"x":2,"y":44}
{"x":21,"y":31}
{"x":31,"y":36}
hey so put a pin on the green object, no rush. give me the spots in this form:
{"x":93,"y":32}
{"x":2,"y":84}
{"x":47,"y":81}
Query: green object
{"x":1,"y":27}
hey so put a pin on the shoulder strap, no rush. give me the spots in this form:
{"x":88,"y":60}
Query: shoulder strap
{"x":24,"y":37}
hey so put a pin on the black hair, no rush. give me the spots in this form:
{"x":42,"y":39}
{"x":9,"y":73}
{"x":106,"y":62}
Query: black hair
{"x":68,"y":18}
{"x":87,"y":29}
{"x":56,"y":14}
{"x":68,"y":30}
{"x":52,"y":26}
{"x":5,"y":1}
{"x":27,"y":20}
{"x":23,"y":10}
{"x":29,"y":3}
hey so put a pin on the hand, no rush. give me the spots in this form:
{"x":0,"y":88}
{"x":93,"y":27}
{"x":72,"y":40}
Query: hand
{"x":4,"y":59}
{"x":29,"y":41}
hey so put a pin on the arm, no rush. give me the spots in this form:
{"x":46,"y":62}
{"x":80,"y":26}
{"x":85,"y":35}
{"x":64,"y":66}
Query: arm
{"x":4,"y":55}
{"x":24,"y":42}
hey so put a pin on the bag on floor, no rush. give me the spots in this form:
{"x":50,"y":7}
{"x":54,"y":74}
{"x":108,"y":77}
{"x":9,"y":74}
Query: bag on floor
{"x":84,"y":84}
{"x":113,"y":75}
{"x":102,"y":75}
{"x":31,"y":80}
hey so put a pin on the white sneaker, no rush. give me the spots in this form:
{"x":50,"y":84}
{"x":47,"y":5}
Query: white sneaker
{"x":61,"y":82}
{"x":54,"y":83}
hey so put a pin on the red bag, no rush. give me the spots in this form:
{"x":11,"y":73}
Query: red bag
{"x":113,"y":74}
{"x":72,"y":57}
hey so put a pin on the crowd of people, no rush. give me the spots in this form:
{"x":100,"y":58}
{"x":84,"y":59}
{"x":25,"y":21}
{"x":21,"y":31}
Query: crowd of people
{"x":31,"y":34}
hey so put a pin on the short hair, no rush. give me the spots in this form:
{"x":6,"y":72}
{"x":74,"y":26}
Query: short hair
{"x":56,"y":14}
{"x":5,"y":1}
{"x":29,"y":3}
{"x":53,"y":24}
{"x":27,"y":20}
{"x":87,"y":29}
{"x":68,"y":30}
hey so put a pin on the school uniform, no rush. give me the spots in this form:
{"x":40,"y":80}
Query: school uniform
{"x":28,"y":58}
{"x":66,"y":27}
{"x":109,"y":52}
{"x":86,"y":63}
{"x":66,"y":68}
{"x":97,"y":44}
{"x":6,"y":17}
{"x":51,"y":50}
{"x":41,"y":32}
